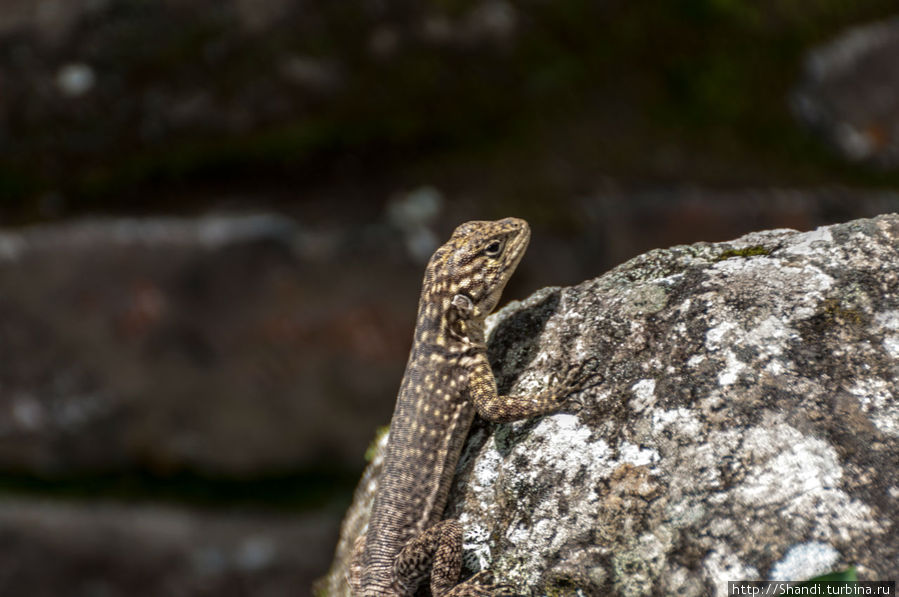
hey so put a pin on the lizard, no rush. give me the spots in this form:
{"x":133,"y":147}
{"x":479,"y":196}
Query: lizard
{"x":448,"y":380}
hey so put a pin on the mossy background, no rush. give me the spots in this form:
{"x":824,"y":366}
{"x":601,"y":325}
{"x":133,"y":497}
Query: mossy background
{"x":657,"y":91}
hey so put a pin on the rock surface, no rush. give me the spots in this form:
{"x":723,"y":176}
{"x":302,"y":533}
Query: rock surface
{"x":850,"y":93}
{"x":747,"y":424}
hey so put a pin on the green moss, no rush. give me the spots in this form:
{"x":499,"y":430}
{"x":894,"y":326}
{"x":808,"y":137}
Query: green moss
{"x":834,"y":310}
{"x":848,"y":575}
{"x":567,"y":585}
{"x":752,"y":251}
{"x":373,"y":446}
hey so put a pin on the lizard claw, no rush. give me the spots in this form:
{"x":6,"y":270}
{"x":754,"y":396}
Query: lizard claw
{"x":579,"y":377}
{"x":482,"y":585}
{"x":573,"y":405}
{"x":504,"y":589}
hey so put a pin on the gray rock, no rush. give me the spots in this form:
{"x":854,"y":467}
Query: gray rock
{"x":746,"y":425}
{"x":850,"y":93}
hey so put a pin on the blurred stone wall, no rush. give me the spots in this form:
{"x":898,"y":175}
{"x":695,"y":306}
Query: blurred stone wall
{"x":248,"y":359}
{"x":113,"y":104}
{"x":206,"y":344}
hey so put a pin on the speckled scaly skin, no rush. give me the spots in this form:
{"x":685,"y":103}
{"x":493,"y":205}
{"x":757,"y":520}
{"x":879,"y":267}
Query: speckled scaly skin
{"x":448,"y":379}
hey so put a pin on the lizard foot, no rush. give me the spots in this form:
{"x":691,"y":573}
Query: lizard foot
{"x":578,"y":377}
{"x":354,"y":570}
{"x":481,"y":585}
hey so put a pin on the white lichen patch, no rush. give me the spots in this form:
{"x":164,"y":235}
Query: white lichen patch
{"x":887,"y":320}
{"x":698,"y":470}
{"x":877,"y":401}
{"x":715,"y":337}
{"x":695,"y":360}
{"x":681,"y":421}
{"x":805,"y":561}
{"x":566,"y":446}
{"x":776,"y":367}
{"x":766,"y":340}
{"x":644,"y":395}
{"x":722,"y":565}
{"x":635,"y":455}
{"x":778,"y":284}
{"x":568,"y":453}
{"x":886,"y":324}
{"x":797,"y":477}
{"x":891,"y":345}
{"x":810,"y":277}
{"x":811,"y":243}
{"x":732,"y":369}
{"x":769,"y":336}
{"x":486,"y":470}
{"x":684,"y":513}
{"x":476,"y":543}
{"x":788,"y":466}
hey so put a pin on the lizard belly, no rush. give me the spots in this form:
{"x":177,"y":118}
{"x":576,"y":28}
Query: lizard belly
{"x":446,"y":374}
{"x":427,"y":432}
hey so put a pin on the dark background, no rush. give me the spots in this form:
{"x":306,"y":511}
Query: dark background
{"x":215,"y":215}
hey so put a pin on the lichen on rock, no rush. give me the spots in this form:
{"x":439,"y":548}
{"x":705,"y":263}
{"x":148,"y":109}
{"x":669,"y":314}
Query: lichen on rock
{"x":746,"y":426}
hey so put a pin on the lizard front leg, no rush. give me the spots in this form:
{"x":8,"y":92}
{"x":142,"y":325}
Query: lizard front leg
{"x":498,"y":408}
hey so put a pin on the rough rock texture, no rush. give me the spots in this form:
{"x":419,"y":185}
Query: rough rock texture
{"x":850,"y":93}
{"x":747,"y":425}
{"x":48,"y":549}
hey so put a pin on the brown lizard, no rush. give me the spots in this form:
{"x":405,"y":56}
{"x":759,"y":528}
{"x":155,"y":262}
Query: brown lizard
{"x":448,"y":379}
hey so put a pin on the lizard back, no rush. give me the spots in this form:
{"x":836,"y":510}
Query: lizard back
{"x":434,"y":411}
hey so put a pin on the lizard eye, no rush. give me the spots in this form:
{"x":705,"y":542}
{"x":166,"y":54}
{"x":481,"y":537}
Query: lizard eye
{"x":493,"y":248}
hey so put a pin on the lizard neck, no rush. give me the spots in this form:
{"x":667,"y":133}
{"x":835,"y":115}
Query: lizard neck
{"x":441,"y":327}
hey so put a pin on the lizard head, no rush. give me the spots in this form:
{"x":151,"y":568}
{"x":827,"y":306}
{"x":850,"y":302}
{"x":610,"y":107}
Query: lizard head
{"x":470,"y":271}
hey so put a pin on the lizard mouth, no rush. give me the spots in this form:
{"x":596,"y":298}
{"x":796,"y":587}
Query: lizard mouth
{"x":519,"y":243}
